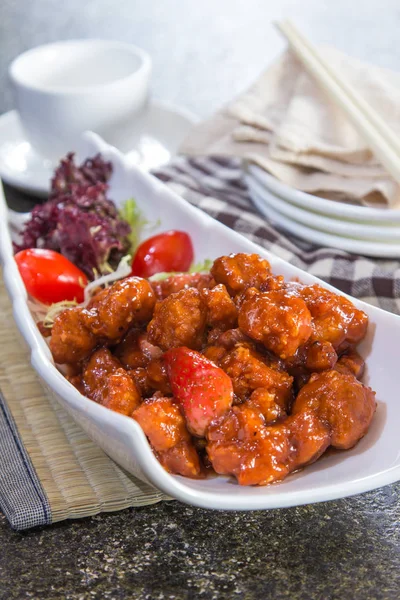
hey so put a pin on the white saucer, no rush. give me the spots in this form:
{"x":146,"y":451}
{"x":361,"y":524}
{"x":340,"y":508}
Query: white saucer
{"x":363,"y":247}
{"x":342,"y":227}
{"x":340,"y":210}
{"x":153,"y":140}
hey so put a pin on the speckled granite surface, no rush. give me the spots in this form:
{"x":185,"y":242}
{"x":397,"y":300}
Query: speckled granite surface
{"x":346,"y":549}
{"x":204,"y":53}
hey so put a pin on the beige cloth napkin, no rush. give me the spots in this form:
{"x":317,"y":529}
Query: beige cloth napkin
{"x":288,"y":126}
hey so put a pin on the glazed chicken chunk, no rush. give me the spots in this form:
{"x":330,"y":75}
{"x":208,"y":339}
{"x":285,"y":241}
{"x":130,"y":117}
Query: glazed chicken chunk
{"x":71,"y":341}
{"x":334,"y":318}
{"x":181,"y":281}
{"x":164,"y":425}
{"x":240,"y":444}
{"x":342,"y":402}
{"x":221,"y":310}
{"x":106,"y":382}
{"x":127,"y":302}
{"x":278,"y":320}
{"x":179,"y":320}
{"x":238,"y":272}
{"x":249,"y":373}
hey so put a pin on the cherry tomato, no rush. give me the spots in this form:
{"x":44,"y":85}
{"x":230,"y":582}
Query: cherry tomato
{"x":165,"y":252}
{"x":50,"y":277}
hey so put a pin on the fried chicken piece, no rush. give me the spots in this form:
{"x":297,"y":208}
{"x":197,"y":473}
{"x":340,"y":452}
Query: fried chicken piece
{"x":179,"y":320}
{"x":101,"y":364}
{"x":351,"y":363}
{"x":162,"y":422}
{"x":233,"y":337}
{"x":107,"y":383}
{"x":182,"y":459}
{"x":240,"y":444}
{"x":312,"y":357}
{"x":181,"y":281}
{"x":215,"y":353}
{"x":248,"y":372}
{"x":320,"y":356}
{"x":309,"y":438}
{"x":122,"y":395}
{"x":139,"y":377}
{"x":71,"y":341}
{"x":342,"y":402}
{"x":151,"y":378}
{"x":129,"y":352}
{"x":135,"y":350}
{"x":98,"y":295}
{"x":238,"y":272}
{"x":264,"y":400}
{"x":157,"y":377}
{"x":164,"y":426}
{"x":126,"y":303}
{"x":221,"y":310}
{"x":334,"y":318}
{"x":279,"y":320}
{"x":109,"y":315}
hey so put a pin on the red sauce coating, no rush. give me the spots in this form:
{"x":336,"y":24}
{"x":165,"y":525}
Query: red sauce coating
{"x":235,"y":370}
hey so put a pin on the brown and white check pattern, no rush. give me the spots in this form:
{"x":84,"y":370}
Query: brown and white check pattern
{"x":216,"y":186}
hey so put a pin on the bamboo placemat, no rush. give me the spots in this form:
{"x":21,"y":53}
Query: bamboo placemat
{"x":76,"y":477}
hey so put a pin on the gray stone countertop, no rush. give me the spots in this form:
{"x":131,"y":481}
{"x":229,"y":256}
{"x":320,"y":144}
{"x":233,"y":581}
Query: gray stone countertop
{"x":205,"y":52}
{"x":345,"y":549}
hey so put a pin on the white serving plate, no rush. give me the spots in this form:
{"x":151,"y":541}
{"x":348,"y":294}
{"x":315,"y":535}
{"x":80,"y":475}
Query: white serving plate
{"x":150,"y":142}
{"x":374,"y":462}
{"x":363,"y":247}
{"x":324,"y":206}
{"x":341,"y":227}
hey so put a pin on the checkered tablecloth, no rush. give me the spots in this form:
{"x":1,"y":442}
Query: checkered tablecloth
{"x":216,"y":185}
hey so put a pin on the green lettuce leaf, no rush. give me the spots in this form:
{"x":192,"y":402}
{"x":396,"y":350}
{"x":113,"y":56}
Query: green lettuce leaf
{"x":133,"y":215}
{"x":202,"y":267}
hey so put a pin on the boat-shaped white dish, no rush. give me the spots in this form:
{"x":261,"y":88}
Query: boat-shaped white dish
{"x":374,"y":462}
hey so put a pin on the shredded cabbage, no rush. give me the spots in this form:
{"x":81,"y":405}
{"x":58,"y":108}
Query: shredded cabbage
{"x":47,"y":314}
{"x":123,"y":270}
{"x":202,"y":267}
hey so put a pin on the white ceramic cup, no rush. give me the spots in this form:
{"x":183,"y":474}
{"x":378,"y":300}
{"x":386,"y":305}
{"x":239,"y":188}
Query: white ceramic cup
{"x":65,"y":88}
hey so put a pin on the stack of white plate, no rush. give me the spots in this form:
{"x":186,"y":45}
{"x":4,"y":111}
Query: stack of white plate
{"x":357,"y":229}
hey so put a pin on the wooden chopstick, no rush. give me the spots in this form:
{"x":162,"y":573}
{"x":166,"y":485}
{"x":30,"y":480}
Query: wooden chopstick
{"x":370,"y":113}
{"x":381,"y":140}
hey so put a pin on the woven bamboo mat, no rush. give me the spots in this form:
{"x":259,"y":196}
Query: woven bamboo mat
{"x":78,"y":478}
